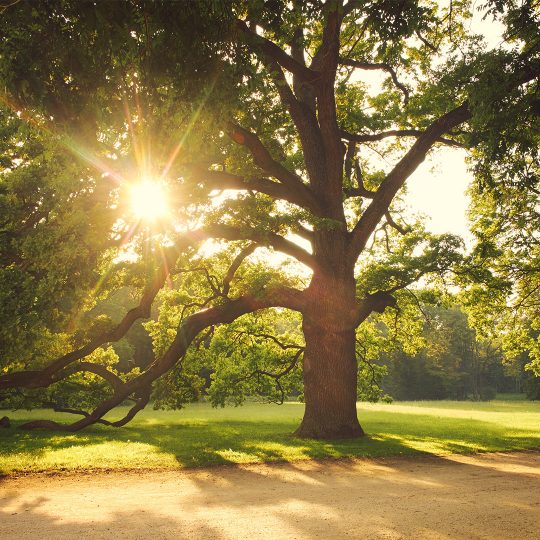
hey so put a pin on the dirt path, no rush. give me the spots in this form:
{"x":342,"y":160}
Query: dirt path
{"x":487,"y":496}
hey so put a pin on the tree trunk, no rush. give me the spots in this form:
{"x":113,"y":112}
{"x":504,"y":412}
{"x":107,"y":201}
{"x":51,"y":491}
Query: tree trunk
{"x":330,"y":365}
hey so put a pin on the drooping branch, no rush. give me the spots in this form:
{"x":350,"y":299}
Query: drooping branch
{"x":100,"y":370}
{"x":378,"y":66}
{"x":142,"y":397}
{"x":142,"y":394}
{"x":187,"y":331}
{"x":399,"y":174}
{"x":55,"y":371}
{"x":274,"y":339}
{"x":287,"y":365}
{"x":277,"y":376}
{"x":51,"y":373}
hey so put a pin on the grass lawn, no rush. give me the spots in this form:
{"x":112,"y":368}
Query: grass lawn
{"x":199,"y":435}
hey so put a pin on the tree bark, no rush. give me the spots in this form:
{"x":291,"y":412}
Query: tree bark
{"x":330,"y":365}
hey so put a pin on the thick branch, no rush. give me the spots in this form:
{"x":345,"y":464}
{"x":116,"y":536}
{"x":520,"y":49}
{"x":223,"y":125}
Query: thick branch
{"x":373,"y":137}
{"x":377,"y":302}
{"x":298,"y":195}
{"x":263,"y":158}
{"x":399,"y":174}
{"x":261,"y":238}
{"x":261,"y":155}
{"x":100,"y":370}
{"x":277,"y":53}
{"x":45,"y":377}
{"x":187,"y":331}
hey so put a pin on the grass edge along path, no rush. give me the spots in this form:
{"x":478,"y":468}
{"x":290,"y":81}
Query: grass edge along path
{"x":199,"y":436}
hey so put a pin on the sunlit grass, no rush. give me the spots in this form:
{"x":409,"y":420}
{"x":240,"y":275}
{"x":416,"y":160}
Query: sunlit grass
{"x":200,"y":435}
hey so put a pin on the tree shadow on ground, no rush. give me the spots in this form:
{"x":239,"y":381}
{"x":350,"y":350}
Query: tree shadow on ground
{"x":431,"y":497}
{"x":192,"y":444}
{"x":29,"y":519}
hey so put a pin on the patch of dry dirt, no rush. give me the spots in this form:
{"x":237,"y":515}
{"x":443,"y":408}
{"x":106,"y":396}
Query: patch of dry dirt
{"x":490,"y":496}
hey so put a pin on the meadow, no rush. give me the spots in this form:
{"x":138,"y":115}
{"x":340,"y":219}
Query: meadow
{"x":202,"y":436}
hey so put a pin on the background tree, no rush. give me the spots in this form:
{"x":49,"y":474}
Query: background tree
{"x":452,"y":364}
{"x":266,"y":100}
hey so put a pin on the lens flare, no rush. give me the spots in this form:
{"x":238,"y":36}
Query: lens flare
{"x":149,"y":200}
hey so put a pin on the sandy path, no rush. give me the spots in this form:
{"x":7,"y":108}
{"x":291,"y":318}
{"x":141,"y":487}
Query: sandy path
{"x":488,"y":496}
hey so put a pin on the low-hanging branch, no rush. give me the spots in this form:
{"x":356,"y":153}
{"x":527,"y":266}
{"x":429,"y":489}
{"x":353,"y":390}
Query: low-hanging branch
{"x":48,"y":375}
{"x":139,"y":388}
{"x":187,"y":331}
{"x":56,"y":370}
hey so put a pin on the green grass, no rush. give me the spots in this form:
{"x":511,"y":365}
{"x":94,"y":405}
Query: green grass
{"x":200,"y":436}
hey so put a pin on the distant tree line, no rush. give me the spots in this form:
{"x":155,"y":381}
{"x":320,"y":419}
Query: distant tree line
{"x":454,"y":364}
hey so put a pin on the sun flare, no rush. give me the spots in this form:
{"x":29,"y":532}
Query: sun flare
{"x":149,"y":200}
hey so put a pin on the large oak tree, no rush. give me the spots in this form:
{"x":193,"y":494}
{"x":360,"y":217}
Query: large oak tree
{"x":267,"y":102}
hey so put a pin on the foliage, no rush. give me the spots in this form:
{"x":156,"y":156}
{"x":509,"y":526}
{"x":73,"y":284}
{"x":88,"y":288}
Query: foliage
{"x":501,"y":275}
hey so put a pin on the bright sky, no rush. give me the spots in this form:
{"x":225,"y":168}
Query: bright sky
{"x":437,"y":190}
{"x":438,"y":187}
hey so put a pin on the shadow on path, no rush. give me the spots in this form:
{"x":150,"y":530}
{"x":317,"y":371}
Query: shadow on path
{"x":487,"y":496}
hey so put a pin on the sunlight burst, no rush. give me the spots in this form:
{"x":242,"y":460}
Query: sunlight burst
{"x":149,"y":200}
